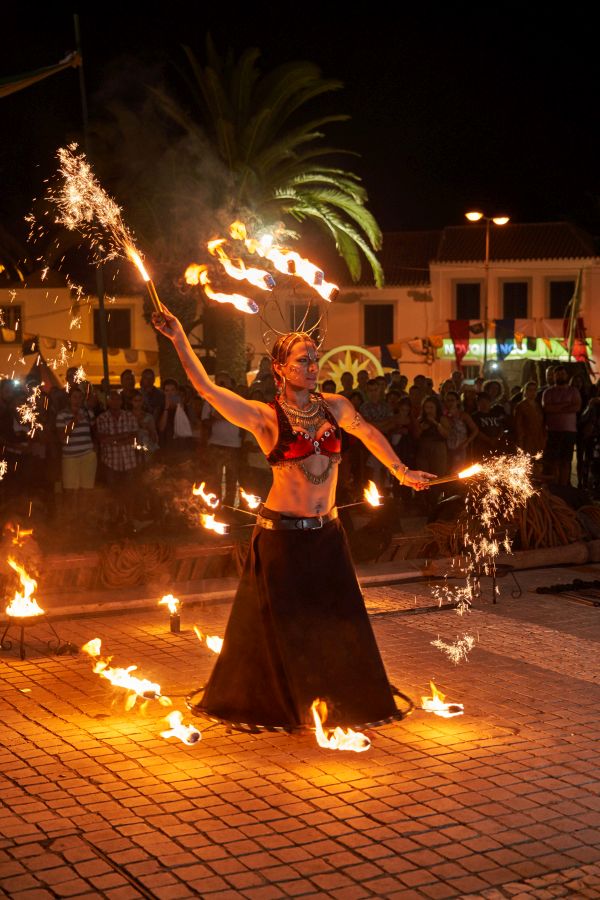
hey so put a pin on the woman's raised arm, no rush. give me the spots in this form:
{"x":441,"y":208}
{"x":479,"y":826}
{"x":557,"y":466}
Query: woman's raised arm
{"x":246,"y":414}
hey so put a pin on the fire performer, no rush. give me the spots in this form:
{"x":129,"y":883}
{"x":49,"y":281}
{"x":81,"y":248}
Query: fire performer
{"x":298,"y":627}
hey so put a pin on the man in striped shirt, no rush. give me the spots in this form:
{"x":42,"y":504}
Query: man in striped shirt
{"x":75,"y":426}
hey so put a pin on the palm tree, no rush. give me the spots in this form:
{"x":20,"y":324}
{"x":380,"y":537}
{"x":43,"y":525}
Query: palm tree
{"x":279,"y":167}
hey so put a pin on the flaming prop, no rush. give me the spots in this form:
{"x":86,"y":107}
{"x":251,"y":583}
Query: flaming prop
{"x":135,"y":257}
{"x":186,"y":733}
{"x":208,"y":522}
{"x":171,"y":602}
{"x":339,"y":739}
{"x":372,"y":495}
{"x":196,"y":274}
{"x":287,"y":262}
{"x":23,"y":605}
{"x":259,"y":278}
{"x":213,"y":642}
{"x":83,"y":205}
{"x":211,"y":500}
{"x":174,"y":606}
{"x":436,"y":704}
{"x":475,"y":469}
{"x":136,"y":687}
{"x":251,"y":500}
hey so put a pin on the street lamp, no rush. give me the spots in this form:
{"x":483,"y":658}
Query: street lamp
{"x":476,"y":216}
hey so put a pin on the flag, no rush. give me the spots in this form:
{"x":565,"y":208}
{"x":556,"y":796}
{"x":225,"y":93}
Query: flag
{"x":459,"y":332}
{"x":571,"y":319}
{"x":505,"y":337}
{"x":17,"y":82}
{"x":387,"y":360}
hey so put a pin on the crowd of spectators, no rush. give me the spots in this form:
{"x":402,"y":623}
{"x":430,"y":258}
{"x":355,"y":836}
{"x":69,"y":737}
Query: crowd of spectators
{"x":59,"y":446}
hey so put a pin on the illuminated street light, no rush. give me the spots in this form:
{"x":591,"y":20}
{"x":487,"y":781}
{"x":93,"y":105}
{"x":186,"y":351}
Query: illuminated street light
{"x":476,"y":216}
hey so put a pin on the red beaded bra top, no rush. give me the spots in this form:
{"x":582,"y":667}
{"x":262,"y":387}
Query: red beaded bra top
{"x":295,"y":446}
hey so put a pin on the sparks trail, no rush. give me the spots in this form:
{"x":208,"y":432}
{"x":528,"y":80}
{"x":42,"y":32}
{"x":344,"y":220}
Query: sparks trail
{"x":83,"y":205}
{"x":502,"y":486}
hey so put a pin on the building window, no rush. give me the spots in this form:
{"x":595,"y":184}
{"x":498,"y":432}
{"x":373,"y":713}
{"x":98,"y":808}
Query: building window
{"x":378,"y":324}
{"x":10,"y":319}
{"x":468,"y":300}
{"x":561,"y":293}
{"x":515,"y":295}
{"x":118,"y":328}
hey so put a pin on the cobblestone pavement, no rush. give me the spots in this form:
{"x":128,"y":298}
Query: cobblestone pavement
{"x":501,"y":802}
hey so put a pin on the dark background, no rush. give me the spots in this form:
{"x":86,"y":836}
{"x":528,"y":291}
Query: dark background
{"x":452,"y":107}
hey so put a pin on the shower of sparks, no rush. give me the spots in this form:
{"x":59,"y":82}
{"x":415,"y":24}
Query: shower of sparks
{"x":2,"y":321}
{"x":503,"y":485}
{"x":75,"y":322}
{"x":459,"y":650}
{"x":44,"y":273}
{"x":64,"y":355}
{"x":28,"y":412}
{"x":462,"y":597}
{"x":3,"y":468}
{"x":79,"y":376}
{"x":83,"y":205}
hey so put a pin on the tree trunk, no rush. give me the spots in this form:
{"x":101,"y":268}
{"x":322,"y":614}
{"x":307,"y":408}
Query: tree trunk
{"x":185,"y":307}
{"x":230,"y":342}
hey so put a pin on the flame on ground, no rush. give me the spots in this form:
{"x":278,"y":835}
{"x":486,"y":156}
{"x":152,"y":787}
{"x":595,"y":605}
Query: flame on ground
{"x":210,"y":499}
{"x":25,"y":604}
{"x":436,"y":704}
{"x":171,"y":602}
{"x":121,"y":677}
{"x":372,"y":495}
{"x":213,"y":642}
{"x":251,"y":500}
{"x":339,"y":739}
{"x":186,"y":733}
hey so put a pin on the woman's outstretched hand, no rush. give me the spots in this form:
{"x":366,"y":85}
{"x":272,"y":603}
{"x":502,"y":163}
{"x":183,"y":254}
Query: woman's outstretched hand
{"x":418,"y":481}
{"x":166,"y":323}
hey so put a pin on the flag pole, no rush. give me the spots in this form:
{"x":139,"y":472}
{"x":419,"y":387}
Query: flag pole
{"x":86,"y":144}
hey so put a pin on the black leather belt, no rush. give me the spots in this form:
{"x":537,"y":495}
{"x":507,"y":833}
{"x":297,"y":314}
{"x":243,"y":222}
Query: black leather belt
{"x":274,"y":521}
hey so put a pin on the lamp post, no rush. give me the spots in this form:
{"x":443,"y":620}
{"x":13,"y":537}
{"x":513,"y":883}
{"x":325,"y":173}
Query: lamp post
{"x":477,"y":216}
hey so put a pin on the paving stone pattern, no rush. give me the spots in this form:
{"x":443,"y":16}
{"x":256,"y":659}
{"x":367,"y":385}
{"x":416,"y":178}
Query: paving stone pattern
{"x":501,"y":802}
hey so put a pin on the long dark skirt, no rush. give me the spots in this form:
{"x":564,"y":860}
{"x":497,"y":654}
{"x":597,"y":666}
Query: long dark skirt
{"x":298,"y":630}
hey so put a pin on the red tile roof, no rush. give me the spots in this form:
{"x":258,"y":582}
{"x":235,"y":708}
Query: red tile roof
{"x":544,"y":240}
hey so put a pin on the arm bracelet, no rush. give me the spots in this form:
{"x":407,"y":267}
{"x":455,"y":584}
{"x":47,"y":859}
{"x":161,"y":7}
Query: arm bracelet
{"x":395,"y":467}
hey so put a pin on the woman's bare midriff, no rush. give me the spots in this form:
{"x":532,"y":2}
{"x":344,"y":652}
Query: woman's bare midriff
{"x":292,"y":494}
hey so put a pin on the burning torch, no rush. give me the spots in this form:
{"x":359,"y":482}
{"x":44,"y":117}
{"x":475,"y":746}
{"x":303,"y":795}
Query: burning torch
{"x":459,"y":476}
{"x":174,"y":606}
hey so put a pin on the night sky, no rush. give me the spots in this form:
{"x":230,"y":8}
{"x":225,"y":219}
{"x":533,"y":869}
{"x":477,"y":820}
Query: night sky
{"x":452,"y":107}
